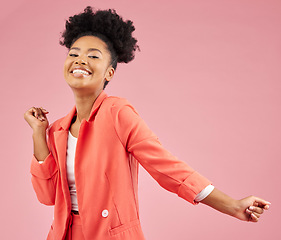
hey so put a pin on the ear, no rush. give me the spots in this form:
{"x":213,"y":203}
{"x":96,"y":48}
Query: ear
{"x":109,"y":74}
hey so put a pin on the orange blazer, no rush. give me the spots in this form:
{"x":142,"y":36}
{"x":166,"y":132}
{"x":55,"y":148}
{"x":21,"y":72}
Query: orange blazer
{"x":110,"y":146}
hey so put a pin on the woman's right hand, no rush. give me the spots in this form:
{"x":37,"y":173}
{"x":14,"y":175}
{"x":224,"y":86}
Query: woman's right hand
{"x":36,"y":118}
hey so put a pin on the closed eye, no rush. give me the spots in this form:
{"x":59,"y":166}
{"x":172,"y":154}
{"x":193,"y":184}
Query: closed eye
{"x":73,"y":55}
{"x":93,"y":57}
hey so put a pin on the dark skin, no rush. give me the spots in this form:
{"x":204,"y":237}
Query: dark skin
{"x":86,"y":68}
{"x":89,"y":53}
{"x":90,"y":58}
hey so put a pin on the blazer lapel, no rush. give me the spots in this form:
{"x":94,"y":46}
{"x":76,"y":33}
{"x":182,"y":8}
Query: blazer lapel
{"x":60,"y":138}
{"x":97,"y":105}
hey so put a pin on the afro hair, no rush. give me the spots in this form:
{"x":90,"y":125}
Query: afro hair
{"x":109,"y":27}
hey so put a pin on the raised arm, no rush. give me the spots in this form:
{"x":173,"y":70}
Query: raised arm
{"x":37,"y":120}
{"x":246,"y":209}
{"x":44,"y":176}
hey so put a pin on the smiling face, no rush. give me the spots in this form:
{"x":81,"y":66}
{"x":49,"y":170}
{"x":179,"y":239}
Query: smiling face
{"x":87,"y":65}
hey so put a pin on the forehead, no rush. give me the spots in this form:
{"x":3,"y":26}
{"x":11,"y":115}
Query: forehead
{"x":87,"y":42}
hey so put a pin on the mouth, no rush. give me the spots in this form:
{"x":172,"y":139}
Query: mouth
{"x":79,"y":72}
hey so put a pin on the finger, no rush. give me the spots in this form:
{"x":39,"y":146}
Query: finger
{"x":250,"y":219}
{"x":34,"y":112}
{"x":44,"y":115}
{"x":250,"y":213}
{"x":265,"y":207}
{"x":37,"y":113}
{"x":40,"y":114}
{"x":256,"y":214}
{"x":254,"y":218}
{"x":256,"y":209}
{"x":261,"y":202}
{"x":44,"y":110}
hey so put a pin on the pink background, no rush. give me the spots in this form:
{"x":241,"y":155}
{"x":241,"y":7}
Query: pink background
{"x":207,"y":82}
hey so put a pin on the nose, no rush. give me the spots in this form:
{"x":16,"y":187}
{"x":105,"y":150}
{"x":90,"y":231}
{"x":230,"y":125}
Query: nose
{"x":80,"y":61}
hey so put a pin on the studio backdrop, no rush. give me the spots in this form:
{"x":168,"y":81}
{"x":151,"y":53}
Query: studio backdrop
{"x":206,"y":81}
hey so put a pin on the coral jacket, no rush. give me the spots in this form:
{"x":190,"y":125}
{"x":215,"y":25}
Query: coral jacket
{"x":110,"y":146}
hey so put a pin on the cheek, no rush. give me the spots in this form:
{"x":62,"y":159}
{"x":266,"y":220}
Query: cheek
{"x":66,"y":65}
{"x":97,"y":68}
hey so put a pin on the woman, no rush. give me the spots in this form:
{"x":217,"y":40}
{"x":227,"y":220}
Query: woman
{"x":88,"y":165}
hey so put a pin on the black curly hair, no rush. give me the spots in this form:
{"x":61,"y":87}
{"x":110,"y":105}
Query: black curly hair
{"x":106,"y":25}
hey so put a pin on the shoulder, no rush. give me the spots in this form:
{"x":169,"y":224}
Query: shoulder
{"x":116,"y":104}
{"x":114,"y":101}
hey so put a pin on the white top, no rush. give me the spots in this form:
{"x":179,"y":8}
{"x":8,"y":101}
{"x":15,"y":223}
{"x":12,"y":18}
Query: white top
{"x":70,"y":159}
{"x":70,"y":156}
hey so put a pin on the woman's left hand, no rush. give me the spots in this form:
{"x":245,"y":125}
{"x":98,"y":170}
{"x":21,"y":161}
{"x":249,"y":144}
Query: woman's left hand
{"x":251,"y":208}
{"x":246,"y":209}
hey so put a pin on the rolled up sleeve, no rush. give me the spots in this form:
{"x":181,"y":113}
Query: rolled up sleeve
{"x":44,"y":170}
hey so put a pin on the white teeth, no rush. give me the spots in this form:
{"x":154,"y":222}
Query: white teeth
{"x":80,"y":71}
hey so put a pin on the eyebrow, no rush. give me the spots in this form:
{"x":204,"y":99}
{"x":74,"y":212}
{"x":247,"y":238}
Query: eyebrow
{"x":89,"y":50}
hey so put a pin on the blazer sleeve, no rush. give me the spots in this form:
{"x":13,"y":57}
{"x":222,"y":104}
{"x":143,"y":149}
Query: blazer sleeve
{"x":44,"y":176}
{"x":172,"y":174}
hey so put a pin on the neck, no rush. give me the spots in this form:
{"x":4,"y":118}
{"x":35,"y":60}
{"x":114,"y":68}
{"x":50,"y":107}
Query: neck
{"x":84,"y":106}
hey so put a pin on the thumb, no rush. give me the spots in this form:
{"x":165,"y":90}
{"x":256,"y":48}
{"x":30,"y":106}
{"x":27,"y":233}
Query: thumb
{"x":44,"y":110}
{"x":259,"y":202}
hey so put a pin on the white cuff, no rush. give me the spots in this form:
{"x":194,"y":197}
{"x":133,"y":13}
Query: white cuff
{"x":204,"y":193}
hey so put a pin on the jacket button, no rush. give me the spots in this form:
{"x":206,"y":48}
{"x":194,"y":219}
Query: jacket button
{"x":104,"y":213}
